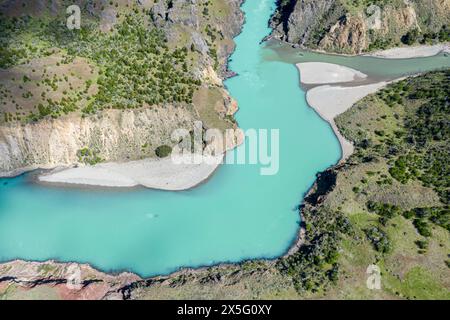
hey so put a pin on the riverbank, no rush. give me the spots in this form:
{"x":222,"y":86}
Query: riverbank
{"x":67,"y":281}
{"x":162,"y":174}
{"x":175,"y":173}
{"x":50,"y":279}
{"x":412,"y":52}
{"x":332,"y":89}
{"x":330,"y":101}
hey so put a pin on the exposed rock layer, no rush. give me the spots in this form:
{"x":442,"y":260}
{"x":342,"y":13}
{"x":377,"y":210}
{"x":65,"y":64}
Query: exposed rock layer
{"x":115,"y":135}
{"x":340,"y":26}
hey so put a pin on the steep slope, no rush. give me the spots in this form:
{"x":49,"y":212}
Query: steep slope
{"x":356,"y":26}
{"x":119,"y":86}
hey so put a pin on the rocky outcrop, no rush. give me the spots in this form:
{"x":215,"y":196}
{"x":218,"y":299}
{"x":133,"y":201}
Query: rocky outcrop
{"x":189,"y":18}
{"x":296,"y":21}
{"x":348,"y":34}
{"x":341,"y":27}
{"x":112,"y":135}
{"x":71,"y":281}
{"x":68,"y":281}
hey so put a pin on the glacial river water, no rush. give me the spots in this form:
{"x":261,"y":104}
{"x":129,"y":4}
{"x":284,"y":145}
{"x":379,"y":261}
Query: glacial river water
{"x":238,"y":214}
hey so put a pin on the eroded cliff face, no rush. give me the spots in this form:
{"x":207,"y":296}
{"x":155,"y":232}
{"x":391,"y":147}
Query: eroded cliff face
{"x":108,"y":136}
{"x":69,"y":281}
{"x":51,"y":280}
{"x":204,"y":28}
{"x":112,"y":135}
{"x":296,"y":21}
{"x":187,"y":17}
{"x":342,"y":26}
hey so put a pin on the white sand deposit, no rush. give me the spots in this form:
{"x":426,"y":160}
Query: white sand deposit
{"x":412,"y":52}
{"x":328,"y":100}
{"x":331,"y":101}
{"x":172,"y":173}
{"x":320,"y":73}
{"x":161,"y":174}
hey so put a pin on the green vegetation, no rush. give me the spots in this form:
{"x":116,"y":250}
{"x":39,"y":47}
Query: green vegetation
{"x":384,"y":210}
{"x":136,"y":65}
{"x":417,"y":284}
{"x":379,"y":239}
{"x":416,"y":36}
{"x":341,"y":26}
{"x":416,"y":140}
{"x":403,"y":132}
{"x":88,"y":156}
{"x":163,"y":151}
{"x":139,"y":69}
{"x":438,"y":215}
{"x":315,"y":264}
{"x":426,"y":133}
{"x":390,"y":206}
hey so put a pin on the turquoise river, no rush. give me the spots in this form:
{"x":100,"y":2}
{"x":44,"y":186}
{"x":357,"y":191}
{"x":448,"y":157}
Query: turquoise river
{"x":237,"y":215}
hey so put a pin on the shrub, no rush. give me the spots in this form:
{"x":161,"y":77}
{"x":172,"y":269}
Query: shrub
{"x":411,"y":37}
{"x":163,"y":151}
{"x":422,"y":227}
{"x":379,"y":239}
{"x":422,"y":244}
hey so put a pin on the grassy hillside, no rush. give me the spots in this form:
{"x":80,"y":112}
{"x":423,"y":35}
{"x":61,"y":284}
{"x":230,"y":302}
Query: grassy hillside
{"x":394,"y":191}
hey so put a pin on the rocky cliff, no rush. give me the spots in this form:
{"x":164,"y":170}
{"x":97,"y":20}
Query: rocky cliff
{"x":188,"y":17}
{"x":111,"y":135}
{"x":352,"y":27}
{"x":46,"y":97}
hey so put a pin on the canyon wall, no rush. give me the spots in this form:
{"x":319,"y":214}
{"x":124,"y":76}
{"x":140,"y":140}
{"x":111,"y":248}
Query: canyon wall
{"x":353,"y":27}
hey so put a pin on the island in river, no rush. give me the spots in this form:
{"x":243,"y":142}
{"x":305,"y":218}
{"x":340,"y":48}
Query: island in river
{"x":365,"y":211}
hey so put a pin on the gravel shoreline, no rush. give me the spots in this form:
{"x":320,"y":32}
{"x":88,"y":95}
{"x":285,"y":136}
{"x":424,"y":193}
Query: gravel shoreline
{"x":163,"y":174}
